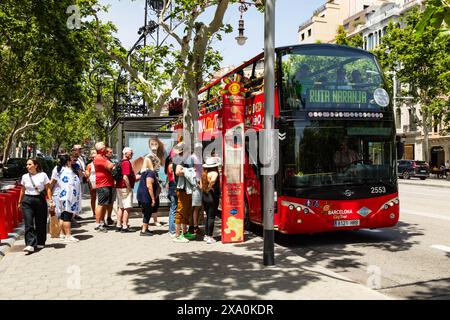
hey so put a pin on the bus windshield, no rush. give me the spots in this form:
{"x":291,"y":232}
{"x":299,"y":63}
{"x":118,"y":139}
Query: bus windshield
{"x":335,"y":78}
{"x":338,"y":153}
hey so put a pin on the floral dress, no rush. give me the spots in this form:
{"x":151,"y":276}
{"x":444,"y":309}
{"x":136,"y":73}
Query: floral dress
{"x":69,"y":194}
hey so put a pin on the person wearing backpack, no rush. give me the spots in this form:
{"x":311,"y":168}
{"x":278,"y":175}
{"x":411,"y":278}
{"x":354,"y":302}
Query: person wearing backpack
{"x":105,"y":184}
{"x":125,"y":180}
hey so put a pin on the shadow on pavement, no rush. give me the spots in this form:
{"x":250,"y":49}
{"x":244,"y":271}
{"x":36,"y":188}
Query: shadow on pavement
{"x":334,"y":248}
{"x":216,"y":275}
{"x":436,"y":289}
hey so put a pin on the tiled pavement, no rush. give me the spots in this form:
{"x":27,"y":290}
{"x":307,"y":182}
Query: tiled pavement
{"x":126,"y":266}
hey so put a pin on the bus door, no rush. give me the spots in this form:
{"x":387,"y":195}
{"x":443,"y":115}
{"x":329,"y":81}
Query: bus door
{"x":252,"y":180}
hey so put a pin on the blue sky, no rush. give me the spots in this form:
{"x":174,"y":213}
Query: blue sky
{"x":128,"y":16}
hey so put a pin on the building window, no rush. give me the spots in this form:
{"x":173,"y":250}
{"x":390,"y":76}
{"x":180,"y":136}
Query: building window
{"x":398,"y":118}
{"x":303,"y":36}
{"x":323,"y":16}
{"x":412,"y":122}
{"x":309,"y":33}
{"x":435,"y":126}
{"x":370,"y":42}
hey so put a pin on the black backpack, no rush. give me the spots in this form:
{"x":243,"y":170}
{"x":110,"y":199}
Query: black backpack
{"x":117,"y":171}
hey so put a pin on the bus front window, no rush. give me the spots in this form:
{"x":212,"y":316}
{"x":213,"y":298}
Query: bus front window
{"x":336,"y":78}
{"x":334,"y":153}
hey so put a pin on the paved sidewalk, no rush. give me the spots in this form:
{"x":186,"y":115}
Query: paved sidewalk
{"x":430,"y":182}
{"x":127,"y":266}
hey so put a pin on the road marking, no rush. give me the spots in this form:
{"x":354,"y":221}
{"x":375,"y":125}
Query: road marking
{"x":441,"y":247}
{"x":424,"y":214}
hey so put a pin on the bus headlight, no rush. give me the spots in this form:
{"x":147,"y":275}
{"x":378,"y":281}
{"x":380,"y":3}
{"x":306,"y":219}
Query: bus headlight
{"x":299,"y":209}
{"x":381,"y":97}
{"x":291,"y":207}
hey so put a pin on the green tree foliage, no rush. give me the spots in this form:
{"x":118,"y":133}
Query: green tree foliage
{"x":181,"y":67}
{"x":44,"y":71}
{"x":343,"y":39}
{"x":436,"y":15}
{"x":423,"y":62}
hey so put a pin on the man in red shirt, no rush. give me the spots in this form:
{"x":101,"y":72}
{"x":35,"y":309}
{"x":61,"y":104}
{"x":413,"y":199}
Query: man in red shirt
{"x":124,"y":188}
{"x":105,"y":183}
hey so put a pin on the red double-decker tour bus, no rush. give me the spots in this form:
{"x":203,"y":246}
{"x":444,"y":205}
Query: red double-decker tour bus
{"x":337,"y":152}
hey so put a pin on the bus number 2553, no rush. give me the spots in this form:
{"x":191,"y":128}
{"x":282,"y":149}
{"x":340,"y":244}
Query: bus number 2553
{"x":378,"y":190}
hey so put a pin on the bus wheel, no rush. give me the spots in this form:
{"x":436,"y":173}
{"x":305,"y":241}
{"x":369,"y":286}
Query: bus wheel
{"x":406,"y":175}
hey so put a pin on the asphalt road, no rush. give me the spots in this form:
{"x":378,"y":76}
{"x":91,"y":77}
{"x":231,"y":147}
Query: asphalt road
{"x":409,"y":261}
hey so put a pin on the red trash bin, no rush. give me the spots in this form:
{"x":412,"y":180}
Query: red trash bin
{"x":7,"y":197}
{"x":3,"y":220}
{"x":19,"y":211}
{"x":15,"y":201}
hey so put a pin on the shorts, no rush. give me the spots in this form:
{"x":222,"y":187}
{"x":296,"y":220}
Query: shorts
{"x":124,"y":198}
{"x":66,"y":216}
{"x":197,"y":197}
{"x":105,"y":196}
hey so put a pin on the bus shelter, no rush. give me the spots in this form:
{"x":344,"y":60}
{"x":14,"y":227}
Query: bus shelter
{"x":138,"y":133}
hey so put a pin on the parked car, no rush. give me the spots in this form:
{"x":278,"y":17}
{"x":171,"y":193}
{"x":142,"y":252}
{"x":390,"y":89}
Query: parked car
{"x":15,"y":168}
{"x":413,"y":168}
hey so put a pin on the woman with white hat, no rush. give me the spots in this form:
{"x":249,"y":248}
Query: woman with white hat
{"x":211,"y":194}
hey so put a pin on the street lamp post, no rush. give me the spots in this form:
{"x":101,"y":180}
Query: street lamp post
{"x":269,"y":122}
{"x":269,"y":126}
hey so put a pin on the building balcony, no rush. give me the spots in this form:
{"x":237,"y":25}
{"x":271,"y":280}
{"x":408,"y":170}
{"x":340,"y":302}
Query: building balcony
{"x":393,"y":12}
{"x":305,"y":24}
{"x":408,"y":4}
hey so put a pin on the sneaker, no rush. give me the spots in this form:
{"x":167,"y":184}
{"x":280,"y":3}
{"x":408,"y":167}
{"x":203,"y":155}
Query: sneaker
{"x":125,"y":230}
{"x":197,"y":230}
{"x":101,"y":228}
{"x":147,"y":233}
{"x":190,"y":236}
{"x":205,"y":238}
{"x":172,"y":235}
{"x":180,"y":238}
{"x":62,"y":237}
{"x":109,"y":221}
{"x":28,"y":249}
{"x":118,"y":229}
{"x":158,"y":224}
{"x":211,"y":240}
{"x":71,"y":239}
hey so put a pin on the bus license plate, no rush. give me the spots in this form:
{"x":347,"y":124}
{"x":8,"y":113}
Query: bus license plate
{"x":346,"y":223}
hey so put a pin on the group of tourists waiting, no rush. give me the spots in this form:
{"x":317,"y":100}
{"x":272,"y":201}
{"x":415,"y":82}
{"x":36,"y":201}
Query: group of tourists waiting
{"x":192,"y":186}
